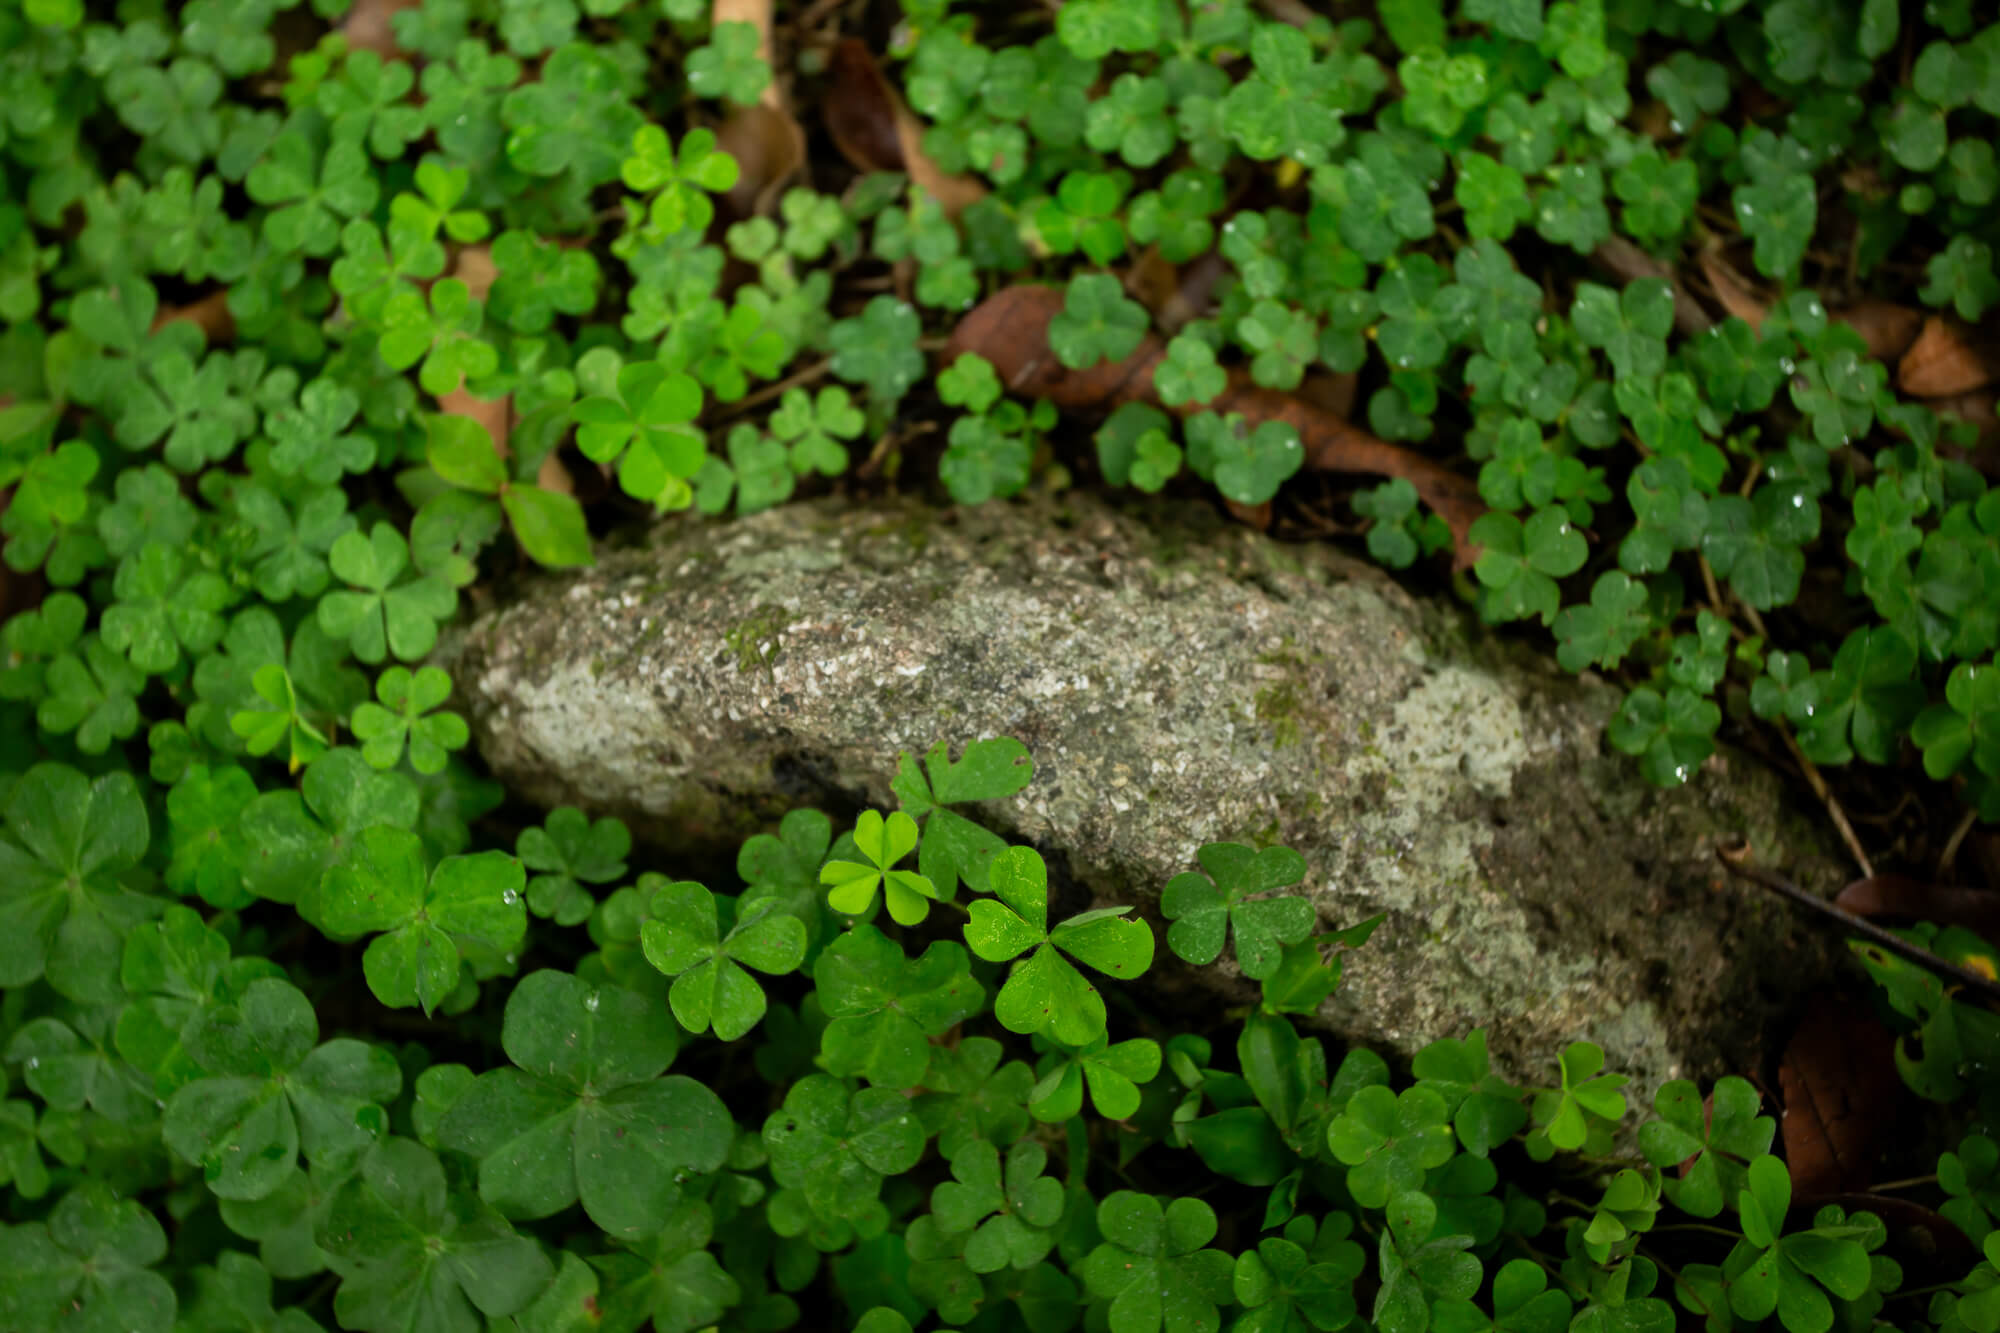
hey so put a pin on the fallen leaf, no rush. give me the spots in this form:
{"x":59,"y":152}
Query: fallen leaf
{"x":1907,"y":898}
{"x":1841,"y":1092}
{"x":874,"y":131}
{"x":367,"y":26}
{"x":1256,"y":516}
{"x":1010,"y":329}
{"x":1731,"y":292}
{"x":766,"y":140}
{"x":1946,"y":360}
{"x":1886,"y":326}
{"x":210,"y":314}
{"x":769,"y":146}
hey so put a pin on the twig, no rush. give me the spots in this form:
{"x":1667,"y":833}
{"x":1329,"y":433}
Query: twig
{"x":1738,"y":862}
{"x":777,"y":388}
{"x":1950,"y":853}
{"x":1708,"y":582}
{"x":1829,"y":800}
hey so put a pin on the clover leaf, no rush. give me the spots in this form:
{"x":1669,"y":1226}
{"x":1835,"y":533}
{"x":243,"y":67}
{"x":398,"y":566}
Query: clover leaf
{"x":585,"y":1114}
{"x":1631,"y":326}
{"x":272,"y":1091}
{"x":1418,"y":1267}
{"x":1189,"y":373}
{"x":90,"y":1263}
{"x":1152,"y":1265}
{"x":835,"y":1147}
{"x":645,"y":423}
{"x":1779,"y":212}
{"x":1606,"y":629}
{"x":954,"y":848}
{"x":1521,"y":562}
{"x":878,"y":348}
{"x":1044,"y":992}
{"x":1097,"y":323}
{"x":1963,"y":731}
{"x":1204,"y":907}
{"x":414,"y":1253}
{"x":163,"y":607}
{"x":1755,"y":543}
{"x":428,"y":922}
{"x":886,"y":1007}
{"x":906,"y":893}
{"x":1671,"y":733}
{"x":388,"y":606}
{"x":571,"y":850}
{"x":683,"y":939}
{"x":684,"y":179}
{"x":1796,"y":1271}
{"x":404,"y":714}
{"x":1863,"y":703}
{"x":574,"y":118}
{"x":1015,"y":1209}
{"x":1719,"y":1139}
{"x":173,"y":970}
{"x":65,"y":849}
{"x":1961,"y":275}
{"x":1567,"y":1114}
{"x":1113,"y":1074}
{"x":1389,"y":1141}
{"x":1282,"y":1288}
{"x":729,"y":66}
{"x":1247,"y":466}
{"x":670,"y":1277}
{"x":814,"y":428}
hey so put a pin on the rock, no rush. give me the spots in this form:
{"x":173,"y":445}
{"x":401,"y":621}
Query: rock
{"x":1178,"y":681}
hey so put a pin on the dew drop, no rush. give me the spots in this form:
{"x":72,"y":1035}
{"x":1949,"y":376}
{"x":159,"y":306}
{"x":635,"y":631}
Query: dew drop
{"x":590,"y":1002}
{"x":510,"y":897}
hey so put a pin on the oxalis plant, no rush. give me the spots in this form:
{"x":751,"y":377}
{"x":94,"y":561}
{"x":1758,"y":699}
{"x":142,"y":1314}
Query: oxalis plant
{"x":842,"y":1093}
{"x":315,"y":319}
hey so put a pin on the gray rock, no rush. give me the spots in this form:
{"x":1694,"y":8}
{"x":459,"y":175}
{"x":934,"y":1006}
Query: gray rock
{"x":1178,"y":681}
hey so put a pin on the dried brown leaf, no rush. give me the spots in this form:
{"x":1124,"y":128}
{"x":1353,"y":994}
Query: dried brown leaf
{"x":1888,"y":327}
{"x":874,"y":131}
{"x":1946,"y":360}
{"x":770,"y":150}
{"x":210,"y":314}
{"x":1841,"y":1092}
{"x":1010,"y":329}
{"x":1731,"y":292}
{"x":1905,"y":898}
{"x":367,"y":26}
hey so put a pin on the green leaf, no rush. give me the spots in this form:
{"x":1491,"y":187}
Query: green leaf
{"x":581,"y":1114}
{"x":413,"y":1254}
{"x":886,"y":1007}
{"x":836,"y":1147}
{"x":683,"y":939}
{"x":1152,"y":1265}
{"x":65,"y":850}
{"x":468,"y":903}
{"x":1721,"y":1139}
{"x":1097,"y":323}
{"x":271,"y":1093}
{"x":1203,"y":907}
{"x":92,"y":1260}
{"x":907,"y":894}
{"x":1044,"y":992}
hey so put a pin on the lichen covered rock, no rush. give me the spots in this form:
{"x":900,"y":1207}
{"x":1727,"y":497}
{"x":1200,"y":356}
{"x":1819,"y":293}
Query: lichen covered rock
{"x":1178,"y":681}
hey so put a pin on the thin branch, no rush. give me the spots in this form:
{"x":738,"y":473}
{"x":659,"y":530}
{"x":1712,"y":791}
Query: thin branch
{"x":1738,"y":862}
